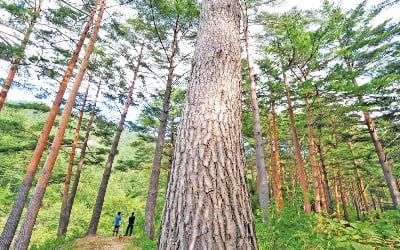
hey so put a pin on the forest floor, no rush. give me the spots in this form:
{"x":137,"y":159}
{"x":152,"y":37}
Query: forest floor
{"x":104,"y":242}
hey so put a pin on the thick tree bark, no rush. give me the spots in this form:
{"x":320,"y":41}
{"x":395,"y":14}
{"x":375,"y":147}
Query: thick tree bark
{"x":313,"y":160}
{"x":94,"y":222}
{"x":207,"y":202}
{"x":155,"y":173}
{"x":63,"y":211}
{"x":25,"y":232}
{"x":301,"y":171}
{"x":19,"y":203}
{"x":276,"y":159}
{"x":383,"y":160}
{"x":16,"y":62}
{"x":263,"y":195}
{"x":82,"y":157}
{"x":343,"y":196}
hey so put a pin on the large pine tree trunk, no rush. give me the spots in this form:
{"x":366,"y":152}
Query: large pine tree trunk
{"x":19,"y":203}
{"x":25,"y":232}
{"x":207,"y":202}
{"x":155,"y":173}
{"x":94,"y":222}
{"x":313,"y":160}
{"x":82,"y":157}
{"x":263,"y":195}
{"x":16,"y":62}
{"x":276,"y":159}
{"x":301,"y":171}
{"x":63,"y":210}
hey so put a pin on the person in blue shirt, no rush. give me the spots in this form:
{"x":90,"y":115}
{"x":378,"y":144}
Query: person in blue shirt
{"x":117,"y":223}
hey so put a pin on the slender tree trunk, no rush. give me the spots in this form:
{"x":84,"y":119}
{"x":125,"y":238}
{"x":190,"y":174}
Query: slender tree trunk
{"x":25,"y":232}
{"x":360,"y":182}
{"x":381,"y":206}
{"x":263,"y":195}
{"x":383,"y":160}
{"x":321,"y":188}
{"x":355,"y":201}
{"x":276,"y":158}
{"x":343,"y":196}
{"x":253,"y":175}
{"x":63,"y":211}
{"x":16,"y":62}
{"x":387,"y":171}
{"x":155,"y":173}
{"x":337,"y":197}
{"x":82,"y":157}
{"x":94,"y":222}
{"x":325,"y":182}
{"x":207,"y":203}
{"x":373,"y":200}
{"x":19,"y":203}
{"x":313,"y":160}
{"x":301,"y":171}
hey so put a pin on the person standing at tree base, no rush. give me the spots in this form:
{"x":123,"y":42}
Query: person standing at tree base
{"x":117,"y":223}
{"x":131,"y":222}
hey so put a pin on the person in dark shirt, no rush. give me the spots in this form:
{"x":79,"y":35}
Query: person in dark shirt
{"x":131,"y":221}
{"x":117,"y":223}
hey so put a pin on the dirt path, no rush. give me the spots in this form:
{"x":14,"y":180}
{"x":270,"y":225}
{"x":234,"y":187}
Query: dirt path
{"x":104,"y":242}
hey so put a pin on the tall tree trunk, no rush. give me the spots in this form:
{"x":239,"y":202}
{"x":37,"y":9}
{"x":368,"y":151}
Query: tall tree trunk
{"x":343,"y":196}
{"x":155,"y":173}
{"x":19,"y":203}
{"x":82,"y":157}
{"x":207,"y":202}
{"x":321,"y":188}
{"x":276,"y":158}
{"x":63,"y":210}
{"x":337,"y":197}
{"x":325,"y":182}
{"x":355,"y":200}
{"x":94,"y":222}
{"x":16,"y":62}
{"x":383,"y":160}
{"x":313,"y":160}
{"x":25,"y":232}
{"x":301,"y":171}
{"x":373,"y":200}
{"x":252,"y":174}
{"x":360,"y":182}
{"x":263,"y":195}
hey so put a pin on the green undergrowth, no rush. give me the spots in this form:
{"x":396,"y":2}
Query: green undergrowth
{"x":298,"y":230}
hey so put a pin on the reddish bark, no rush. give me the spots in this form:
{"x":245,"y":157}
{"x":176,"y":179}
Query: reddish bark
{"x":63,"y":211}
{"x":15,"y":214}
{"x":82,"y":157}
{"x":25,"y":232}
{"x":16,"y":62}
{"x":296,"y":142}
